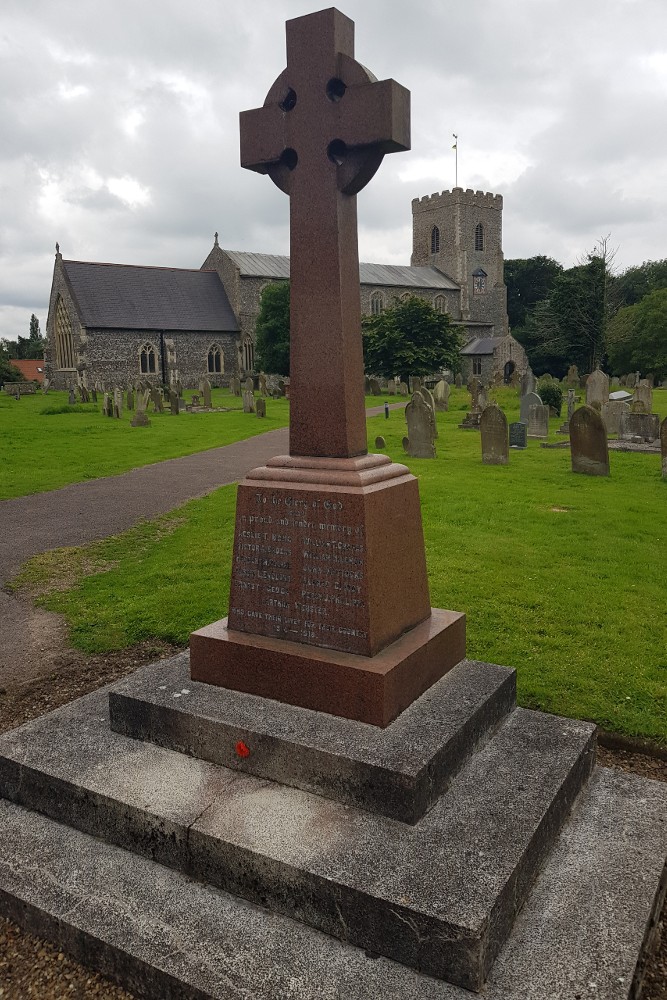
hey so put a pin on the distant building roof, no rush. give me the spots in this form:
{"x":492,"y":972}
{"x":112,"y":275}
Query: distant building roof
{"x":32,"y":370}
{"x":482,"y":345}
{"x":131,"y":297}
{"x":265,"y":265}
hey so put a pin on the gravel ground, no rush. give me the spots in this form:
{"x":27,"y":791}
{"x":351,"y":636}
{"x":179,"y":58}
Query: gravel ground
{"x":31,"y":968}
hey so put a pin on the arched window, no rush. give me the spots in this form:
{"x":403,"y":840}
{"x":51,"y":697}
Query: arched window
{"x":147,"y":360}
{"x":215,"y":361}
{"x":249,"y":356}
{"x":479,"y":236}
{"x":440,"y":304}
{"x":405,"y":296}
{"x":435,"y":240}
{"x":64,"y":340}
{"x":377,"y":303}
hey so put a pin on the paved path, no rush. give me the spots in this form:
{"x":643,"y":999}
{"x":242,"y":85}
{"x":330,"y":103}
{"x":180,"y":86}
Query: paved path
{"x":97,"y":508}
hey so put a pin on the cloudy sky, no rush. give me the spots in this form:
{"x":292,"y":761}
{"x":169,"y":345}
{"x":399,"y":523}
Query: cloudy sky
{"x":119,"y":128}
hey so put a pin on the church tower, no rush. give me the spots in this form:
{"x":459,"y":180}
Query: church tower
{"x":460,"y":232}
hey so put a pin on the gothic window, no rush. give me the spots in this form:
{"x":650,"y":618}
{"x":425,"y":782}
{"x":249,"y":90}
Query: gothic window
{"x":479,"y":281}
{"x":440,"y":304}
{"x":64,"y":340}
{"x":147,"y":360}
{"x":435,"y":240}
{"x":477,"y":366}
{"x":248,"y":356}
{"x":479,"y":236}
{"x":377,"y":303}
{"x":214,"y":359}
{"x":405,"y":296}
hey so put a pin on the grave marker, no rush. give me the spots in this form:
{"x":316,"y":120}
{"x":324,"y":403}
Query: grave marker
{"x":530,"y":399}
{"x":538,"y":421}
{"x":421,"y":428}
{"x":518,"y":435}
{"x":588,"y":442}
{"x":493,"y":427}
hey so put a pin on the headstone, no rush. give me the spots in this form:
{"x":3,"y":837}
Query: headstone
{"x":611,"y":413}
{"x":441,"y":395}
{"x":174,"y":403}
{"x":94,"y":395}
{"x":130,"y":398}
{"x":249,"y":385}
{"x":477,"y":402}
{"x":597,"y":389}
{"x":260,"y":406}
{"x":458,"y":381}
{"x":565,"y":426}
{"x":262,"y":386}
{"x":117,"y":403}
{"x":380,"y":442}
{"x":248,"y":401}
{"x":631,"y":380}
{"x":421,"y":428}
{"x":614,"y":384}
{"x":530,"y":399}
{"x":391,"y":387}
{"x":428,"y":396}
{"x":639,"y":427}
{"x":195,"y":399}
{"x":235,"y":386}
{"x":206,"y":392}
{"x":644,"y":394}
{"x":663,"y":447}
{"x":588,"y":442}
{"x":403,"y":389}
{"x":493,"y":427}
{"x":107,"y":409}
{"x":572,"y":377}
{"x":527,"y":383}
{"x":414,"y":383}
{"x":538,"y":421}
{"x":518,"y":435}
{"x":72,"y":398}
{"x":140,"y":418}
{"x":156,"y":400}
{"x":375,"y":387}
{"x":45,"y":385}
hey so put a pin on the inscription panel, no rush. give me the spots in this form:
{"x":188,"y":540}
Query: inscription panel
{"x":299,"y":567}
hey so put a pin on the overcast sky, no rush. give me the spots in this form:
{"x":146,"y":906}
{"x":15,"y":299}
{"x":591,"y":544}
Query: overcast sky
{"x":119,"y":128}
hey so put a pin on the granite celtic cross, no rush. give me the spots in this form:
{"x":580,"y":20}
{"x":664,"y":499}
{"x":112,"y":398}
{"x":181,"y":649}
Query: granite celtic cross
{"x":324,"y":128}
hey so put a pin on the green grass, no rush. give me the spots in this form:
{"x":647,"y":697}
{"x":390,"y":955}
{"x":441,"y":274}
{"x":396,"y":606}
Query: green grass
{"x":561,"y":576}
{"x":45,"y":444}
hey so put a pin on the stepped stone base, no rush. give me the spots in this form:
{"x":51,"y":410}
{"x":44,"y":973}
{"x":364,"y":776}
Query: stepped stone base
{"x":441,"y":894}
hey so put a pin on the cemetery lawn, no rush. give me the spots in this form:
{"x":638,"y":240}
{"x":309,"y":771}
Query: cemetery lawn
{"x":46,"y":444}
{"x":562,"y":576}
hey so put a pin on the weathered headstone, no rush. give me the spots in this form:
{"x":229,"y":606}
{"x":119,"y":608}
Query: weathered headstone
{"x":403,"y":389}
{"x":572,"y":377}
{"x":518,"y":435}
{"x":391,"y":387}
{"x":196,"y":399}
{"x":46,"y":385}
{"x":421,"y":428}
{"x":428,"y":396}
{"x":380,"y":442}
{"x":631,"y":380}
{"x":644,"y":394}
{"x":174,"y":403}
{"x":117,"y":403}
{"x":249,"y":385}
{"x":663,"y":447}
{"x":414,"y":383}
{"x":262,"y":385}
{"x":538,"y":421}
{"x":260,"y":406}
{"x":639,"y":427}
{"x":235,"y":386}
{"x":588,"y":442}
{"x":597,"y":389}
{"x":94,"y":395}
{"x":321,"y":140}
{"x":130,"y":398}
{"x":477,"y":402}
{"x":527,"y":383}
{"x":72,"y":397}
{"x":140,"y":419}
{"x":565,"y":426}
{"x":530,"y":399}
{"x":493,"y":428}
{"x":611,"y":413}
{"x":206,"y":393}
{"x":248,"y":401}
{"x":106,"y":405}
{"x":375,"y":387}
{"x":441,"y":395}
{"x":156,"y":400}
{"x":458,"y":381}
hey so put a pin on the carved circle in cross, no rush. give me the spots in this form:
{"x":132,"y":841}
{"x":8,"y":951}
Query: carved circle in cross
{"x":355,"y":165}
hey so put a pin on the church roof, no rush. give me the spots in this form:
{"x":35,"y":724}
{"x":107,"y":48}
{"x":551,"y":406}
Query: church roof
{"x":482,"y":345}
{"x":266,"y":265}
{"x":131,"y":297}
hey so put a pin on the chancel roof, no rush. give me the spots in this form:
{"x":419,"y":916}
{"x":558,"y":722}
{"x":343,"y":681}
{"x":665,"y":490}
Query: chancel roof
{"x":265,"y":265}
{"x":131,"y":297}
{"x":482,"y":345}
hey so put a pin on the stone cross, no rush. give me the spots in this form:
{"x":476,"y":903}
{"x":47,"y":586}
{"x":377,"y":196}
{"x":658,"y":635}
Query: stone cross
{"x":324,"y":128}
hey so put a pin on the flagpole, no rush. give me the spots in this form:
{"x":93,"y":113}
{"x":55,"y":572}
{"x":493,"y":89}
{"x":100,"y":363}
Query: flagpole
{"x":455,"y":147}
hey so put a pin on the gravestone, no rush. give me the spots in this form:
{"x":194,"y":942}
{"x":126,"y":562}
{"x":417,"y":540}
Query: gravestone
{"x":631,"y":380}
{"x":565,"y":426}
{"x":380,"y":442}
{"x":588,"y":442}
{"x":140,"y":418}
{"x":174,"y":403}
{"x":420,"y":442}
{"x":493,"y":428}
{"x":106,"y":405}
{"x":477,"y":402}
{"x":663,"y":447}
{"x":156,"y":400}
{"x":249,"y":385}
{"x":206,"y":393}
{"x":640,"y":427}
{"x":441,"y":395}
{"x":130,"y":398}
{"x":530,"y":399}
{"x":414,"y":383}
{"x":527,"y":383}
{"x":94,"y":395}
{"x":518,"y":435}
{"x":403,"y":389}
{"x":572,"y":377}
{"x":374,"y":386}
{"x":45,"y":385}
{"x":262,"y":386}
{"x":235,"y":386}
{"x":428,"y":397}
{"x":71,"y":398}
{"x":391,"y":387}
{"x":611,"y":413}
{"x":644,"y":394}
{"x":260,"y":406}
{"x":597,"y":389}
{"x":538,"y":421}
{"x":248,"y":401}
{"x":195,"y":399}
{"x":328,"y":508}
{"x":458,"y":381}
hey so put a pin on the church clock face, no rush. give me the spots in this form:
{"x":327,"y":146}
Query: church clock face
{"x":479,"y":283}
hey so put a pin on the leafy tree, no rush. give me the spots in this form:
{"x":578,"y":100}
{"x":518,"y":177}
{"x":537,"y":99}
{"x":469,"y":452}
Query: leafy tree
{"x":528,"y":282}
{"x":272,"y":329}
{"x":8,"y":373}
{"x":636,"y":282}
{"x":409,"y":338}
{"x":543,"y":340}
{"x":638,"y":336}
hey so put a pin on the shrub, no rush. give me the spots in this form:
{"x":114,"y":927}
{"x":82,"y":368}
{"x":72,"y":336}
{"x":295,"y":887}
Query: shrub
{"x":551,"y":395}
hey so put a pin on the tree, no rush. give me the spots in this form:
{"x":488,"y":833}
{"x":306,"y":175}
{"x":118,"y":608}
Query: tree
{"x":409,"y":338}
{"x":636,"y":282}
{"x":272,"y":329}
{"x":528,"y":282}
{"x":31,"y":346}
{"x":638,"y":336}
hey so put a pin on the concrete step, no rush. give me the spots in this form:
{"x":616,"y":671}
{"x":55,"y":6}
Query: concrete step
{"x":399,"y":771}
{"x":440,"y":896}
{"x":582,"y":932}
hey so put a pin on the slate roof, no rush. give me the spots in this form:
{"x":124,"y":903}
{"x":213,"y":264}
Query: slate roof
{"x":482,"y":345}
{"x":131,"y":297}
{"x":265,"y":265}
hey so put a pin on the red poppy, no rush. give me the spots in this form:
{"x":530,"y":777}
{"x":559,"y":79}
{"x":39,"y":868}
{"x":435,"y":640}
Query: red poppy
{"x":242,"y":750}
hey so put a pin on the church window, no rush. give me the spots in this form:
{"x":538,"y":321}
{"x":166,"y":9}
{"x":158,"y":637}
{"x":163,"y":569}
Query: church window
{"x":405,"y":296}
{"x":214,"y":359}
{"x":440,"y":304}
{"x":377,"y":303}
{"x":477,"y":366}
{"x":435,"y":240}
{"x":479,"y":281}
{"x":249,"y":356}
{"x":147,"y":360}
{"x":64,"y":339}
{"x":479,"y":236}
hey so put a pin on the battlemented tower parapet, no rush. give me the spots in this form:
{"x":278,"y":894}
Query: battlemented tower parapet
{"x":460,"y":232}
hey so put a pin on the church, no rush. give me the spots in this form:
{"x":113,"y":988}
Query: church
{"x":112,"y":324}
